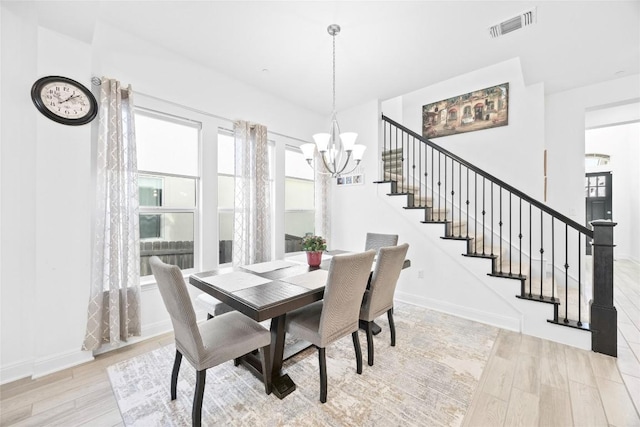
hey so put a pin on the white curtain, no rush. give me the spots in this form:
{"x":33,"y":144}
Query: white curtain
{"x":114,"y":304}
{"x":322,"y":196}
{"x":252,"y":206}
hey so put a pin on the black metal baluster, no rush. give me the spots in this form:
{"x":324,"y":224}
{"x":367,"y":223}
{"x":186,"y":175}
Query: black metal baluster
{"x":402,"y":162}
{"x":467,"y":203}
{"x":445,"y":187}
{"x":460,"y":199}
{"x":500,"y":227}
{"x":510,"y":242}
{"x":530,"y":249}
{"x":433,"y":200}
{"x":520,"y":238}
{"x":553,"y":261}
{"x":385,"y":125}
{"x":566,"y":273}
{"x":483,"y":215}
{"x":492,"y":219}
{"x":395,"y":165}
{"x":475,"y":206}
{"x":579,"y":278}
{"x":413,"y":172}
{"x":453,"y":193}
{"x":419,"y":172}
{"x":439,"y":183}
{"x":541,"y":249}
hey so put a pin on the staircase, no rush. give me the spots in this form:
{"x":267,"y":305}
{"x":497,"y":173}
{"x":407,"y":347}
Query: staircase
{"x":523,"y":239}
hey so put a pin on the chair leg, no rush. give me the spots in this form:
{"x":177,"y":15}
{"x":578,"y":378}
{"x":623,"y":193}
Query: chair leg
{"x":196,"y":415}
{"x":356,"y":346}
{"x":174,"y":374}
{"x":265,"y":353}
{"x":392,"y":327}
{"x":369,"y":331}
{"x":323,"y":374}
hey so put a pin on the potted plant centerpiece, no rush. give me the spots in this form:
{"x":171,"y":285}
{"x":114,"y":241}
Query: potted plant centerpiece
{"x":314,"y":246}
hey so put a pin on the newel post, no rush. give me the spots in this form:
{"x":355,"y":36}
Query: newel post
{"x":604,"y":316}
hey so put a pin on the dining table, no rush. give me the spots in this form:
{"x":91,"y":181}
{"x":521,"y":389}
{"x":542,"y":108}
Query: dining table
{"x":269,"y":290}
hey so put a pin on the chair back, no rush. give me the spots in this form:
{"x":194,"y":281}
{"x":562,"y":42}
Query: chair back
{"x":346,"y":282}
{"x":176,"y":299}
{"x":379,"y":296}
{"x":377,"y":241}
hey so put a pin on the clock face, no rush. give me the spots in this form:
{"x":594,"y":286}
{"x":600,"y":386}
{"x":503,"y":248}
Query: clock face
{"x":64,"y":100}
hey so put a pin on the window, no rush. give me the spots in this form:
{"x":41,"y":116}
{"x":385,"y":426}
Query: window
{"x":168,"y":157}
{"x":299,"y":203}
{"x":592,"y":160}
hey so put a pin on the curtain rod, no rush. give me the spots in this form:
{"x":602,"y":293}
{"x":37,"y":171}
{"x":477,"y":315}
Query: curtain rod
{"x":97,"y":82}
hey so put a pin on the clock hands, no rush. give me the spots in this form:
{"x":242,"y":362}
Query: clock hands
{"x":69,"y":98}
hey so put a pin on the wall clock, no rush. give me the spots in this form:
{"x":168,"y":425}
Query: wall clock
{"x":64,"y":100}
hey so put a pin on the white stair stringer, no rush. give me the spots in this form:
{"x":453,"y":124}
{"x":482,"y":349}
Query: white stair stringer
{"x":471,"y":287}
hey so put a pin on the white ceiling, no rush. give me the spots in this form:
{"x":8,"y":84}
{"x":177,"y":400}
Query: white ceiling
{"x":385,"y":49}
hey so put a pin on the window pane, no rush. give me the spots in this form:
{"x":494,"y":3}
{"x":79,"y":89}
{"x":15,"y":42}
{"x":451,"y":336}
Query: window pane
{"x":167,"y":191}
{"x":298,"y":194}
{"x":296,"y":226}
{"x":225,"y":230}
{"x":226,"y":154}
{"x":225,"y":192}
{"x":166,"y":146}
{"x":150,"y":190}
{"x":168,"y":236}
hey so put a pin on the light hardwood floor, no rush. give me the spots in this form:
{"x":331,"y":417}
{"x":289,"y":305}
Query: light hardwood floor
{"x":527,"y":381}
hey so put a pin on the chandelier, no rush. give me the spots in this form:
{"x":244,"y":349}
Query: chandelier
{"x":335,"y":148}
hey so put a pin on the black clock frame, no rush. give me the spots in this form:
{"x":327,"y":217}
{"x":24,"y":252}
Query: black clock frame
{"x":36,"y":97}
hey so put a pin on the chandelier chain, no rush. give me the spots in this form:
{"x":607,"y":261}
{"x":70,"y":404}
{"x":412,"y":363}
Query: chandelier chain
{"x":334,"y":73}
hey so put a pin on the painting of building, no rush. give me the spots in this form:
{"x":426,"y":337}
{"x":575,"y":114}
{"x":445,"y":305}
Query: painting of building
{"x":477,"y":110}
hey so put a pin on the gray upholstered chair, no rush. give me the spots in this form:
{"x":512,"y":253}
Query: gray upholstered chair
{"x":378,"y":298}
{"x":210,"y":343}
{"x":212,"y":306}
{"x":377,"y":241}
{"x":336,"y":316}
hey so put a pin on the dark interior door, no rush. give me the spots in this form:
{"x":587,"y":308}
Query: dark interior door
{"x":598,"y":198}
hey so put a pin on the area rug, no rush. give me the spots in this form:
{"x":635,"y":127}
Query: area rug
{"x":428,"y":378}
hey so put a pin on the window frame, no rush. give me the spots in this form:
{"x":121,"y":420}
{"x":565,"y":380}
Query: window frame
{"x":195,"y":210}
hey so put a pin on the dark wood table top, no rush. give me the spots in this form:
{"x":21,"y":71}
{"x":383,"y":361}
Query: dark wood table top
{"x":270,"y":299}
{"x":267,"y":300}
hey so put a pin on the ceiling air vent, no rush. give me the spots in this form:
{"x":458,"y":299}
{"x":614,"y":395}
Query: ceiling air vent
{"x":517,"y":22}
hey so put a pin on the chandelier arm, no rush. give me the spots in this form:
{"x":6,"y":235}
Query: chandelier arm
{"x":345,"y":163}
{"x":354,"y":168}
{"x":326,"y":165}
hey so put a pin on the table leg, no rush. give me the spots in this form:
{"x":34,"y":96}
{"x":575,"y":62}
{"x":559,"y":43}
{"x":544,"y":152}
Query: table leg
{"x":282,"y":384}
{"x":375,"y":328}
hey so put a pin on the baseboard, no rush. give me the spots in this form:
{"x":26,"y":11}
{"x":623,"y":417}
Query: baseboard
{"x":60,"y":361}
{"x":509,"y":323}
{"x":16,"y":371}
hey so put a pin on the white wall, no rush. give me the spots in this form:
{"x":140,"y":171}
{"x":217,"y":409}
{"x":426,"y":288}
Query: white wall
{"x":18,"y":157}
{"x":564,"y":136}
{"x":622,"y":143}
{"x":512,"y":153}
{"x":47,"y":197}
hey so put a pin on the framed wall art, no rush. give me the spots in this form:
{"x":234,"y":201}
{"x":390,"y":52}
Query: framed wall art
{"x":481,"y":109}
{"x":356,"y":179}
